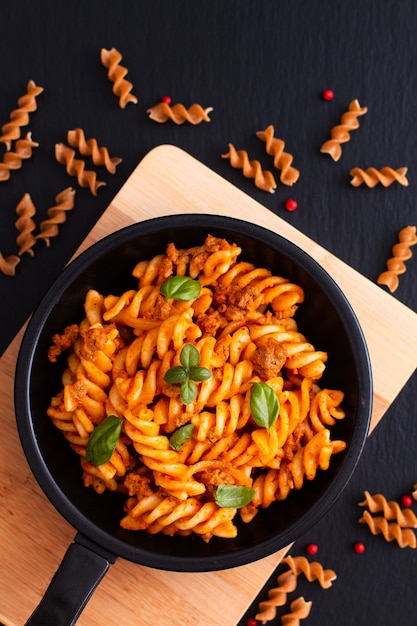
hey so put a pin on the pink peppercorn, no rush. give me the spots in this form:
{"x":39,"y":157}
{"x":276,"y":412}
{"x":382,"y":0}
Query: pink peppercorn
{"x":406,"y":500}
{"x":251,"y":621}
{"x":359,"y":547}
{"x":327,"y":94}
{"x":166,"y":99}
{"x":291,"y":204}
{"x":312,"y":549}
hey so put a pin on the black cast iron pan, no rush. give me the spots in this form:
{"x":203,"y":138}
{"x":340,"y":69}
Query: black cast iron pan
{"x":326,"y":318}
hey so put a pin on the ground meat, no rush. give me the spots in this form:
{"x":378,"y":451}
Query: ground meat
{"x":210,"y":322}
{"x":136,"y":484}
{"x":269,"y":359}
{"x":63,"y":342}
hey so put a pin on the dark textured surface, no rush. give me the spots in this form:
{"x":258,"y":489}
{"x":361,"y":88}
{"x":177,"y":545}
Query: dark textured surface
{"x":255,"y":63}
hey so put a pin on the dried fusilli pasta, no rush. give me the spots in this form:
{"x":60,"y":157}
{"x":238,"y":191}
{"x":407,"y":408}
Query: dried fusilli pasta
{"x":178,"y":113}
{"x":372,"y":177}
{"x":13,"y":160}
{"x":300,"y":609}
{"x":391,"y":510}
{"x":242,"y":329}
{"x":390,"y":530}
{"x":312,"y":570}
{"x":8,"y":264}
{"x":76,"y":167}
{"x":251,"y":169}
{"x":57,"y":215}
{"x":116,"y":73}
{"x":341,"y":133}
{"x":282,"y":160}
{"x":25,"y":225}
{"x":401,"y":252}
{"x":277,"y":596}
{"x":90,"y":147}
{"x":20,"y":116}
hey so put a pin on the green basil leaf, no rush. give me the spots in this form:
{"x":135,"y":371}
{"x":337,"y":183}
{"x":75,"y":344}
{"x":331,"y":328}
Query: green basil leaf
{"x":199,"y":373}
{"x":233,"y":496}
{"x":264,"y":405}
{"x":183,"y":434}
{"x":174,"y":375}
{"x":189,"y":356}
{"x":188,"y":392}
{"x":103,"y":440}
{"x":181,"y":288}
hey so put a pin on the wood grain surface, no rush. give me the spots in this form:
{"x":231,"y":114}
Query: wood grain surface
{"x":33,"y":535}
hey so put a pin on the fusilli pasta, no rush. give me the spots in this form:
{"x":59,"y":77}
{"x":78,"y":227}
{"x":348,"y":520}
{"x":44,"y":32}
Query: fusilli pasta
{"x":76,"y":167}
{"x":400,"y":252}
{"x":282,"y":160}
{"x":116,"y":73}
{"x":341,"y":133}
{"x":25,"y":225}
{"x":391,"y":531}
{"x":20,"y":117}
{"x":240,"y":325}
{"x":178,"y":113}
{"x":251,"y":169}
{"x":57,"y":215}
{"x":372,"y":177}
{"x":13,"y":160}
{"x":89,"y":147}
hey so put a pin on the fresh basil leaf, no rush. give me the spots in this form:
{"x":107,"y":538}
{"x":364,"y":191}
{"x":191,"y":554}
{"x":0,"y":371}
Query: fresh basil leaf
{"x":103,"y":440}
{"x":233,"y":496}
{"x":174,"y":375}
{"x":189,"y":356}
{"x":181,"y":288}
{"x":199,"y":373}
{"x":188,"y":392}
{"x":264,"y":405}
{"x":183,"y":434}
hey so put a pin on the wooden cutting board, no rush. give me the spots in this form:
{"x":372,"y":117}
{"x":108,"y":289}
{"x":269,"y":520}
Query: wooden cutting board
{"x":33,"y":535}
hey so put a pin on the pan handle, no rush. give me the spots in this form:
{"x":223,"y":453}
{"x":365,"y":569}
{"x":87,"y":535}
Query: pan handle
{"x":81,"y":570}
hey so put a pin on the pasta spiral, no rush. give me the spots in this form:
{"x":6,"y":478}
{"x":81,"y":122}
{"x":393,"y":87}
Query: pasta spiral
{"x":401,"y":252}
{"x":391,"y":510}
{"x":76,"y":167}
{"x":13,"y":160}
{"x":20,"y":117}
{"x":57,"y":215}
{"x":25,"y":225}
{"x":372,"y":177}
{"x":391,"y":531}
{"x":312,"y":570}
{"x":251,"y":169}
{"x":241,"y":329}
{"x":341,"y":133}
{"x":116,"y":73}
{"x":282,"y":160}
{"x":300,"y":609}
{"x":178,"y":113}
{"x":89,"y":147}
{"x":8,"y":264}
{"x":277,"y":596}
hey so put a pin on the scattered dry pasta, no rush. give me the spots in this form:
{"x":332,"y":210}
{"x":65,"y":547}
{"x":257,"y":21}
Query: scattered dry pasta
{"x":178,"y":113}
{"x":401,"y":252}
{"x":57,"y":215}
{"x":300,"y":609}
{"x":251,"y":169}
{"x":240,"y":326}
{"x":341,"y":133}
{"x":20,"y":116}
{"x":282,"y":160}
{"x":391,"y":510}
{"x":312,"y":570}
{"x":90,"y":147}
{"x":277,"y":596}
{"x":8,"y":264}
{"x":25,"y":225}
{"x":116,"y":73}
{"x":372,"y":177}
{"x":76,"y":167}
{"x":390,"y":530}
{"x":13,"y":160}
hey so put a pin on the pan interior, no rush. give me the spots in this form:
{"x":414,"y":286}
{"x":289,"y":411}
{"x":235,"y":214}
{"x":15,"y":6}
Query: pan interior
{"x":325,"y":319}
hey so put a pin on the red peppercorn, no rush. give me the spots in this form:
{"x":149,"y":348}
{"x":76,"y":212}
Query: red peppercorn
{"x":166,"y":99}
{"x":291,"y":204}
{"x":312,"y":548}
{"x":406,"y":500}
{"x":359,"y":547}
{"x":251,"y":621}
{"x":327,"y":94}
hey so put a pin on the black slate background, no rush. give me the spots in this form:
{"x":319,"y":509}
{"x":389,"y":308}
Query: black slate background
{"x":255,"y":63}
